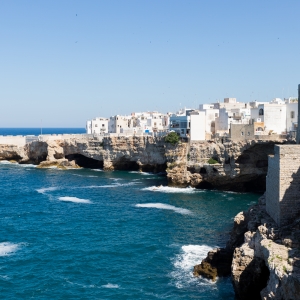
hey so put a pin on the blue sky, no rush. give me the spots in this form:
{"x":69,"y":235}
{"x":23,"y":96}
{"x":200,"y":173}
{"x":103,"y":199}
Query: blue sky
{"x":64,"y":62}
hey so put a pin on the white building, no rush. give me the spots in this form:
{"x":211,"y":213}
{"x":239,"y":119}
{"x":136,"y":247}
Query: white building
{"x":230,"y":103}
{"x":97,"y":126}
{"x":117,"y":122}
{"x":233,"y":116}
{"x":273,"y":116}
{"x":210,"y":116}
{"x":152,"y":121}
{"x":191,"y":125}
{"x":292,"y":116}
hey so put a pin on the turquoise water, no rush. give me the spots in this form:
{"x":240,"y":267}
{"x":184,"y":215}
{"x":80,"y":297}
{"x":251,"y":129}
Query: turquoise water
{"x":88,"y":234}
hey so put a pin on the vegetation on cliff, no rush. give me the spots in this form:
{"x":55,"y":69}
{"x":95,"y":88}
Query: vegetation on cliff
{"x":172,"y":138}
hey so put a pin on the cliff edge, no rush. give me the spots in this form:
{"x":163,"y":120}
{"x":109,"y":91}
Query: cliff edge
{"x":237,"y":166}
{"x":265,"y":263}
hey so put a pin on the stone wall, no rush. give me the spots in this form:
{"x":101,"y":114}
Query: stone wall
{"x":17,"y":140}
{"x":283,"y":184}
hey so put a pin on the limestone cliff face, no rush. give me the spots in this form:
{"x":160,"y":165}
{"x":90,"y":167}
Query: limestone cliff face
{"x":268,"y":260}
{"x":122,"y":153}
{"x":10,"y":152}
{"x":134,"y":153}
{"x":265,"y":264}
{"x":241,"y":166}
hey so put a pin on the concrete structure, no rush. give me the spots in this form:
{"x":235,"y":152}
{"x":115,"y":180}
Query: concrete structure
{"x":197,"y":126}
{"x":97,"y":126}
{"x":282,"y":184}
{"x":230,"y":103}
{"x":117,"y":122}
{"x":242,"y":132}
{"x":233,"y":116}
{"x":191,"y":125}
{"x":273,"y":115}
{"x":291,"y":116}
{"x":210,"y":116}
{"x":16,"y":140}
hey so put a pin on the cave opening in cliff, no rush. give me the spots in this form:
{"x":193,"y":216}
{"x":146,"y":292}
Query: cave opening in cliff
{"x":126,"y":165}
{"x":85,"y":162}
{"x":264,"y":277}
{"x":256,"y":184}
{"x":203,"y":171}
{"x":204,"y":185}
{"x":156,"y":168}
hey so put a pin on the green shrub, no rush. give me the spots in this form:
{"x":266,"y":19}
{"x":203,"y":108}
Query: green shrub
{"x":212,"y":161}
{"x":172,"y":138}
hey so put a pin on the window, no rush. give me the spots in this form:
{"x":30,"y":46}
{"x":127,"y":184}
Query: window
{"x":248,"y":132}
{"x":261,"y":112}
{"x":292,"y":114}
{"x":96,"y":125}
{"x":103,"y":125}
{"x":242,"y":133}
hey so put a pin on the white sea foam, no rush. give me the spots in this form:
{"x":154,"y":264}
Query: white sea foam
{"x":45,"y":190}
{"x":28,"y":165}
{"x":167,"y":189}
{"x":97,"y":170}
{"x":114,"y":185}
{"x":5,"y":162}
{"x":100,"y":186}
{"x":110,"y":286}
{"x":184,"y":262}
{"x":7,"y":248}
{"x":74,"y":199}
{"x":79,"y":175}
{"x":142,"y":173}
{"x":179,"y":210}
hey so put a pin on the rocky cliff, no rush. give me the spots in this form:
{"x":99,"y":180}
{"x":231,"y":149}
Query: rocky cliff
{"x":239,"y":166}
{"x":265,"y":263}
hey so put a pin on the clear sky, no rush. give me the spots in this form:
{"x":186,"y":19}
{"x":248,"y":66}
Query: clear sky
{"x":64,"y":62}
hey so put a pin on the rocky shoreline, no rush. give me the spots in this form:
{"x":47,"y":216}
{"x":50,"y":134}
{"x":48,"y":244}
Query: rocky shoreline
{"x":262,"y":258}
{"x":237,"y":166}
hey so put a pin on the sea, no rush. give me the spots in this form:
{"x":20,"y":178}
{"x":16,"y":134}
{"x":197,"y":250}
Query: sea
{"x":90,"y":234}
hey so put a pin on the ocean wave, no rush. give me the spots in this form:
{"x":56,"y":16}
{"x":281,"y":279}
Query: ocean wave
{"x":79,"y":175}
{"x":74,"y":199}
{"x":6,"y":162}
{"x":45,"y":190}
{"x":142,"y":173}
{"x":179,"y":210}
{"x":190,"y":255}
{"x":167,"y":189}
{"x":7,"y":248}
{"x":27,"y":165}
{"x":110,"y":286}
{"x":97,"y":170}
{"x":114,"y":185}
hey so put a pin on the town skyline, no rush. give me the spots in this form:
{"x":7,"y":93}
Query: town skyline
{"x":67,"y":62}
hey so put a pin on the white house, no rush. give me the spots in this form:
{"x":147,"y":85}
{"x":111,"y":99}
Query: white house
{"x":97,"y":126}
{"x":191,"y":125}
{"x":229,"y":104}
{"x":233,"y":116}
{"x":117,"y":122}
{"x":292,"y":116}
{"x":272,"y":115}
{"x":210,"y":116}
